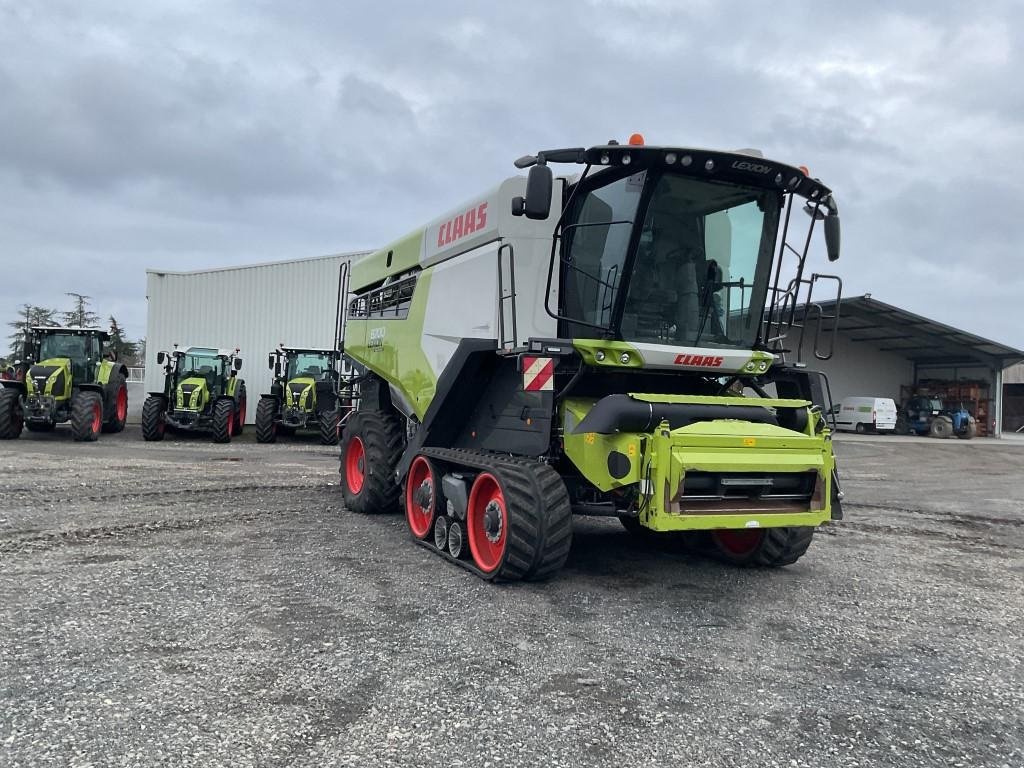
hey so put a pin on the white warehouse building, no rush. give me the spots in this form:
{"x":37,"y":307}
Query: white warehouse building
{"x":254,"y":308}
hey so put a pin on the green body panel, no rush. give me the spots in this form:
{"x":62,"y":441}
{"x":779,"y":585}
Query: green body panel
{"x":63,"y":365}
{"x":199,"y":397}
{"x":390,"y":347}
{"x":305,"y":401}
{"x":232,"y":388}
{"x":659,"y":461}
{"x":405,"y":255}
{"x":103,"y":371}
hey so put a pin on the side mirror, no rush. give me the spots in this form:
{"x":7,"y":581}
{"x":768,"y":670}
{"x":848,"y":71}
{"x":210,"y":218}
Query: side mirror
{"x":271,"y":361}
{"x":160,"y":357}
{"x":537,"y":203}
{"x":832,"y":236}
{"x":238,"y":363}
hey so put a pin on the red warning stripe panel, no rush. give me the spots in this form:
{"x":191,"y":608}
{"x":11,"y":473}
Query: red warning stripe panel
{"x":538,"y":374}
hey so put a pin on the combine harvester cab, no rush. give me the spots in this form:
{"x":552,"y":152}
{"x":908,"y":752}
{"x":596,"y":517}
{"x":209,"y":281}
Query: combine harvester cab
{"x":202,"y":393}
{"x":604,"y":344}
{"x":65,"y":376}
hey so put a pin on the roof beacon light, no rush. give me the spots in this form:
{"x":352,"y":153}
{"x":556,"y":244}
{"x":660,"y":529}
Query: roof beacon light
{"x":803,"y":168}
{"x":636,"y":140}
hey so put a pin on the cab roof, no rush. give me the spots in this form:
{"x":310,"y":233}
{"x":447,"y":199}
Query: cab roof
{"x":72,"y":330}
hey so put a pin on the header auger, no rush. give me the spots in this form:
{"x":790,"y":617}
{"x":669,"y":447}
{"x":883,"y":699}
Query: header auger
{"x":605,"y":343}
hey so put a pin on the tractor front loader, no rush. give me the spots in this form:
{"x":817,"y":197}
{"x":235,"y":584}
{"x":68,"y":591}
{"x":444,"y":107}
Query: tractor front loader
{"x":610,"y":342}
{"x":65,"y":375}
{"x":304,"y":395}
{"x":202,"y":393}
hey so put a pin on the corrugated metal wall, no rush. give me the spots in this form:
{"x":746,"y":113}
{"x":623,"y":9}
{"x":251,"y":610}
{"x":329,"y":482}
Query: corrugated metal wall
{"x":253,"y":308}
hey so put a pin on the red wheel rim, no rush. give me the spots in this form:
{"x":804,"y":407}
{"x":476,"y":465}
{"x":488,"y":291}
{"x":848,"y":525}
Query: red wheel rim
{"x":231,"y":422}
{"x":418,"y":484}
{"x":355,"y":465}
{"x":97,"y":417}
{"x":241,"y":414}
{"x":121,"y":408}
{"x":739,"y":542}
{"x":487,"y":523}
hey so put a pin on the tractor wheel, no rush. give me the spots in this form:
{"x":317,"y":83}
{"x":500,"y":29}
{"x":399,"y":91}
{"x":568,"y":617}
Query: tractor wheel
{"x":519,"y":522}
{"x":40,"y":426}
{"x":86,"y":416}
{"x":12,"y":418}
{"x":632,"y":525}
{"x":970,"y":431}
{"x":763,"y":547}
{"x":422,"y":498}
{"x":266,"y":424}
{"x":223,"y":420}
{"x":329,"y":427}
{"x":117,"y":399}
{"x":239,"y":424}
{"x":371,"y":446}
{"x":154,"y":418}
{"x":941,"y":427}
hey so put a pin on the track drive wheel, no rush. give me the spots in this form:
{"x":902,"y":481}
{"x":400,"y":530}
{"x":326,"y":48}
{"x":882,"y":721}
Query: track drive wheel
{"x":266,"y":420}
{"x":329,"y":427}
{"x":519,"y":522}
{"x":421,"y":498}
{"x":117,"y":400}
{"x":12,"y":418}
{"x":86,"y":416}
{"x":154,"y":418}
{"x":223,"y":420}
{"x":764,"y":547}
{"x":371,"y":446}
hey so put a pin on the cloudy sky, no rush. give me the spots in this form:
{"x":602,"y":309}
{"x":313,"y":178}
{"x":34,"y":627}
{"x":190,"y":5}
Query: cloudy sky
{"x":137,"y":135}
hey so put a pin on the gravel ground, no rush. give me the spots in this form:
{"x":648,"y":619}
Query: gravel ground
{"x":190,"y":604}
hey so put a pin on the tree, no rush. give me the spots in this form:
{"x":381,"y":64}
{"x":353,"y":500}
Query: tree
{"x":80,"y":315}
{"x":125,"y":350}
{"x":28,"y":316}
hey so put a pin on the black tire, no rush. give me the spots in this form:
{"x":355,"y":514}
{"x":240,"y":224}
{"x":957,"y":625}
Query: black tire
{"x":266,"y":424}
{"x":12,"y":418}
{"x":774,"y":547}
{"x":86,"y":416}
{"x":632,"y":525}
{"x":329,"y":427}
{"x":39,"y":426}
{"x":860,"y":429}
{"x":154,"y":418}
{"x":941,"y":427}
{"x":970,"y":431}
{"x":114,"y":422}
{"x":241,"y":403}
{"x":380,"y":437}
{"x":223,"y":420}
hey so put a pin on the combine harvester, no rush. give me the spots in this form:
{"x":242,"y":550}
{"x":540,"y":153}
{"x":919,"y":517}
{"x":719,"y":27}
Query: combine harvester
{"x":605,"y":344}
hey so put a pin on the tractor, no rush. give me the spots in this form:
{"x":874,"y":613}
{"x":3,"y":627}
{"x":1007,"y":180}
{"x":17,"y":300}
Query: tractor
{"x":202,"y":393}
{"x":925,"y":415}
{"x":65,"y":375}
{"x":610,"y":342}
{"x":304,"y":395}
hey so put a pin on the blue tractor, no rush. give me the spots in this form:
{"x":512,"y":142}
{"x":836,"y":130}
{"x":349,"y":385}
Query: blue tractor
{"x":924,"y":415}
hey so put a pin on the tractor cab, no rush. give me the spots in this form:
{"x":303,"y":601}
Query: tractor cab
{"x":303,"y":394}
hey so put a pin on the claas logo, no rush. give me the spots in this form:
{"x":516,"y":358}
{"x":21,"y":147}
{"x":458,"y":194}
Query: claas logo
{"x":700,"y":361}
{"x":462,"y":225}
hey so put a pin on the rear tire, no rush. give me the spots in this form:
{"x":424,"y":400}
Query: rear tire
{"x":117,"y":400}
{"x":154,"y":418}
{"x":240,"y":406}
{"x":223,"y":420}
{"x":86,"y":416}
{"x":970,"y":431}
{"x":12,"y":418}
{"x":266,"y":424}
{"x":762,"y":547}
{"x":941,"y":427}
{"x":371,"y":447}
{"x":329,"y":427}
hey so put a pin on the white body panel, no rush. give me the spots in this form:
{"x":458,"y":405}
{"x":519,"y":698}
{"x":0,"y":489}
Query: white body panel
{"x":874,"y":413}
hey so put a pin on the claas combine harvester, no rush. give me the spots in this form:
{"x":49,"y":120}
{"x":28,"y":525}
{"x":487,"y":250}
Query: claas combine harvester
{"x":605,"y":343}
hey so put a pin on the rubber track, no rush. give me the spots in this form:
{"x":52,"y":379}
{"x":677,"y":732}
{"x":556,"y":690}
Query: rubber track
{"x":8,"y":402}
{"x":266,"y":412}
{"x":783,"y":546}
{"x":539,"y":513}
{"x":152,"y":412}
{"x":82,"y":404}
{"x":383,"y":437}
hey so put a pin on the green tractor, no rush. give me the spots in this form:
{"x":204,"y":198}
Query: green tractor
{"x":304,"y":395}
{"x":202,"y":393}
{"x":65,"y":376}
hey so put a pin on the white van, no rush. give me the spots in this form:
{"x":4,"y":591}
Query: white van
{"x":866,"y":414}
